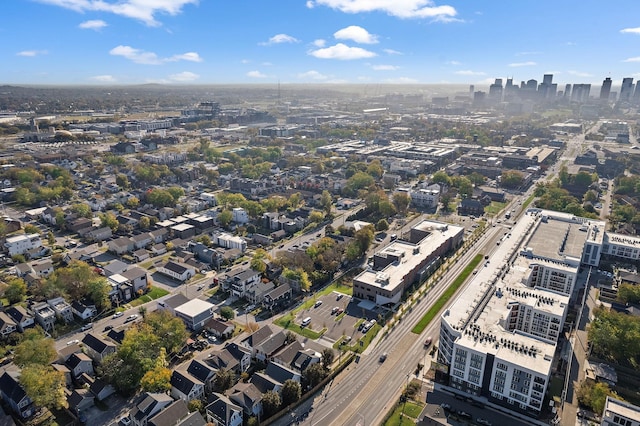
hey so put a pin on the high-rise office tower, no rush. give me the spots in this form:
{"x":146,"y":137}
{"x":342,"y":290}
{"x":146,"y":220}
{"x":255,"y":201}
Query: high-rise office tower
{"x":547,"y":79}
{"x":580,"y":92}
{"x":567,"y":91}
{"x":605,"y":90}
{"x":495,"y":90}
{"x":626,"y":90}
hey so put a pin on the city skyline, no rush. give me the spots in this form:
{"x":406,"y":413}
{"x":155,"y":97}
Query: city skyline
{"x":316,"y":41}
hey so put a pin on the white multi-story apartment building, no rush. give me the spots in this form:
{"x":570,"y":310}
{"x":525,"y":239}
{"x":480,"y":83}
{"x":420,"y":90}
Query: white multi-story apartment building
{"x":230,"y":241}
{"x":620,"y":413}
{"x":553,"y":276}
{"x":21,"y":244}
{"x":425,"y":197}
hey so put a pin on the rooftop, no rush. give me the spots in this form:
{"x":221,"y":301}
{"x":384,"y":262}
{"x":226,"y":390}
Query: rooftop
{"x":195,"y":307}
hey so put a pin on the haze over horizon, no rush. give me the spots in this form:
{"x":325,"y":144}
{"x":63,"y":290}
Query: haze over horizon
{"x":109,"y":42}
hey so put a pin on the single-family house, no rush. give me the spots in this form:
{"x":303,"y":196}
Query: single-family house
{"x":137,"y":279}
{"x":62,"y":308}
{"x":159,"y":235}
{"x":220,"y":329}
{"x":470,"y":207}
{"x":15,"y":397}
{"x":79,"y":363}
{"x":97,"y":348}
{"x":44,"y":314}
{"x":147,"y":406}
{"x":79,"y":400}
{"x":121,"y":245}
{"x":177,"y":271}
{"x":99,"y":234}
{"x":186,"y":387}
{"x":222,"y":412}
{"x":142,"y":240}
{"x":279,"y":297}
{"x":232,"y":357}
{"x":256,"y":293}
{"x":282,"y":373}
{"x":171,"y":303}
{"x":264,"y":383}
{"x":173,"y":415}
{"x":21,"y":317}
{"x":247,"y":396}
{"x":83,"y":311}
{"x":203,"y":373}
{"x":42,"y":268}
{"x":264,"y":350}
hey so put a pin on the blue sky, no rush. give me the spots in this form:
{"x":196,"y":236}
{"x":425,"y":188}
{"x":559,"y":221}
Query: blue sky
{"x":316,"y":41}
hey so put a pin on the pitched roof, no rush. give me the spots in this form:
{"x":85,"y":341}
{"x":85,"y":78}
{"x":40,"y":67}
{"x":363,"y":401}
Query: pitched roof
{"x":259,"y":336}
{"x":184,"y":382}
{"x":222,"y":407}
{"x":148,"y":404}
{"x":193,"y":419}
{"x":200,"y":370}
{"x":273,"y":343}
{"x":171,"y":415}
{"x":96,"y":343}
{"x":263,"y":382}
{"x":134,"y":273}
{"x":280,"y":372}
{"x":18,"y":313}
{"x":76,"y":358}
{"x":10,"y":386}
{"x":245,"y":394}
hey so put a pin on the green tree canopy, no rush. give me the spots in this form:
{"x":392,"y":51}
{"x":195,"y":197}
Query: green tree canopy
{"x":44,"y":385}
{"x":35,"y":349}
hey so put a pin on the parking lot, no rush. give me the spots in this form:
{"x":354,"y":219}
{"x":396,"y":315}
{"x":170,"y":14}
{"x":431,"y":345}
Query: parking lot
{"x":326,"y":314}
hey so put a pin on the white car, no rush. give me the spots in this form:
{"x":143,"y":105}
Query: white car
{"x":118,"y":315}
{"x":73,"y":342}
{"x":131,"y":318}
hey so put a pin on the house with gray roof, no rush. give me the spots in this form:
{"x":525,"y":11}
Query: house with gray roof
{"x":79,"y":363}
{"x":7,"y":325}
{"x":177,"y":271}
{"x":148,"y":405}
{"x":21,"y":317}
{"x":222,"y":412}
{"x":15,"y":397}
{"x":282,"y":373}
{"x":247,"y":396}
{"x":171,"y":415}
{"x":186,"y":387}
{"x":202,"y":372}
{"x":97,"y":348}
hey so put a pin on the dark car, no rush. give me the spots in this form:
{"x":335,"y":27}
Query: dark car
{"x":109,"y":327}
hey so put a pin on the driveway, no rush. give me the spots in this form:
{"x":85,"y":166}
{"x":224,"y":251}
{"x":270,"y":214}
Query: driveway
{"x":114,"y":408}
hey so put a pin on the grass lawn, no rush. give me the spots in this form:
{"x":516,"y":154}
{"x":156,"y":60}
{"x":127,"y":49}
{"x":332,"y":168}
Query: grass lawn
{"x":411,"y":412}
{"x":527,"y":202}
{"x":448,"y":294}
{"x":154,"y":293}
{"x":494,"y":208}
{"x":362,"y":344}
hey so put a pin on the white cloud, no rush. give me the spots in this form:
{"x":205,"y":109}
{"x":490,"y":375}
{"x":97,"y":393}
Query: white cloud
{"x":245,"y":61}
{"x":256,"y":74}
{"x":357,"y":34}
{"x":267,"y":64}
{"x":391,"y":52}
{"x":469,"y":72}
{"x":528,"y":53}
{"x":312,"y":75}
{"x":580,"y":74}
{"x":32,"y":53}
{"x":523,"y":64}
{"x":631,"y":30}
{"x":189,"y":56}
{"x":184,"y":76}
{"x":140,"y":10}
{"x":149,"y":58}
{"x":634,"y":59}
{"x":398,"y":8}
{"x":103,"y":78}
{"x":93,"y":24}
{"x":342,"y":52}
{"x":279,"y":39}
{"x":454,"y":63}
{"x":384,"y":67}
{"x":319,"y":42}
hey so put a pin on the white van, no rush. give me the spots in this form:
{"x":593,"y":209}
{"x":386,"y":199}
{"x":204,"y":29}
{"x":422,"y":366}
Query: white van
{"x":306,"y":321}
